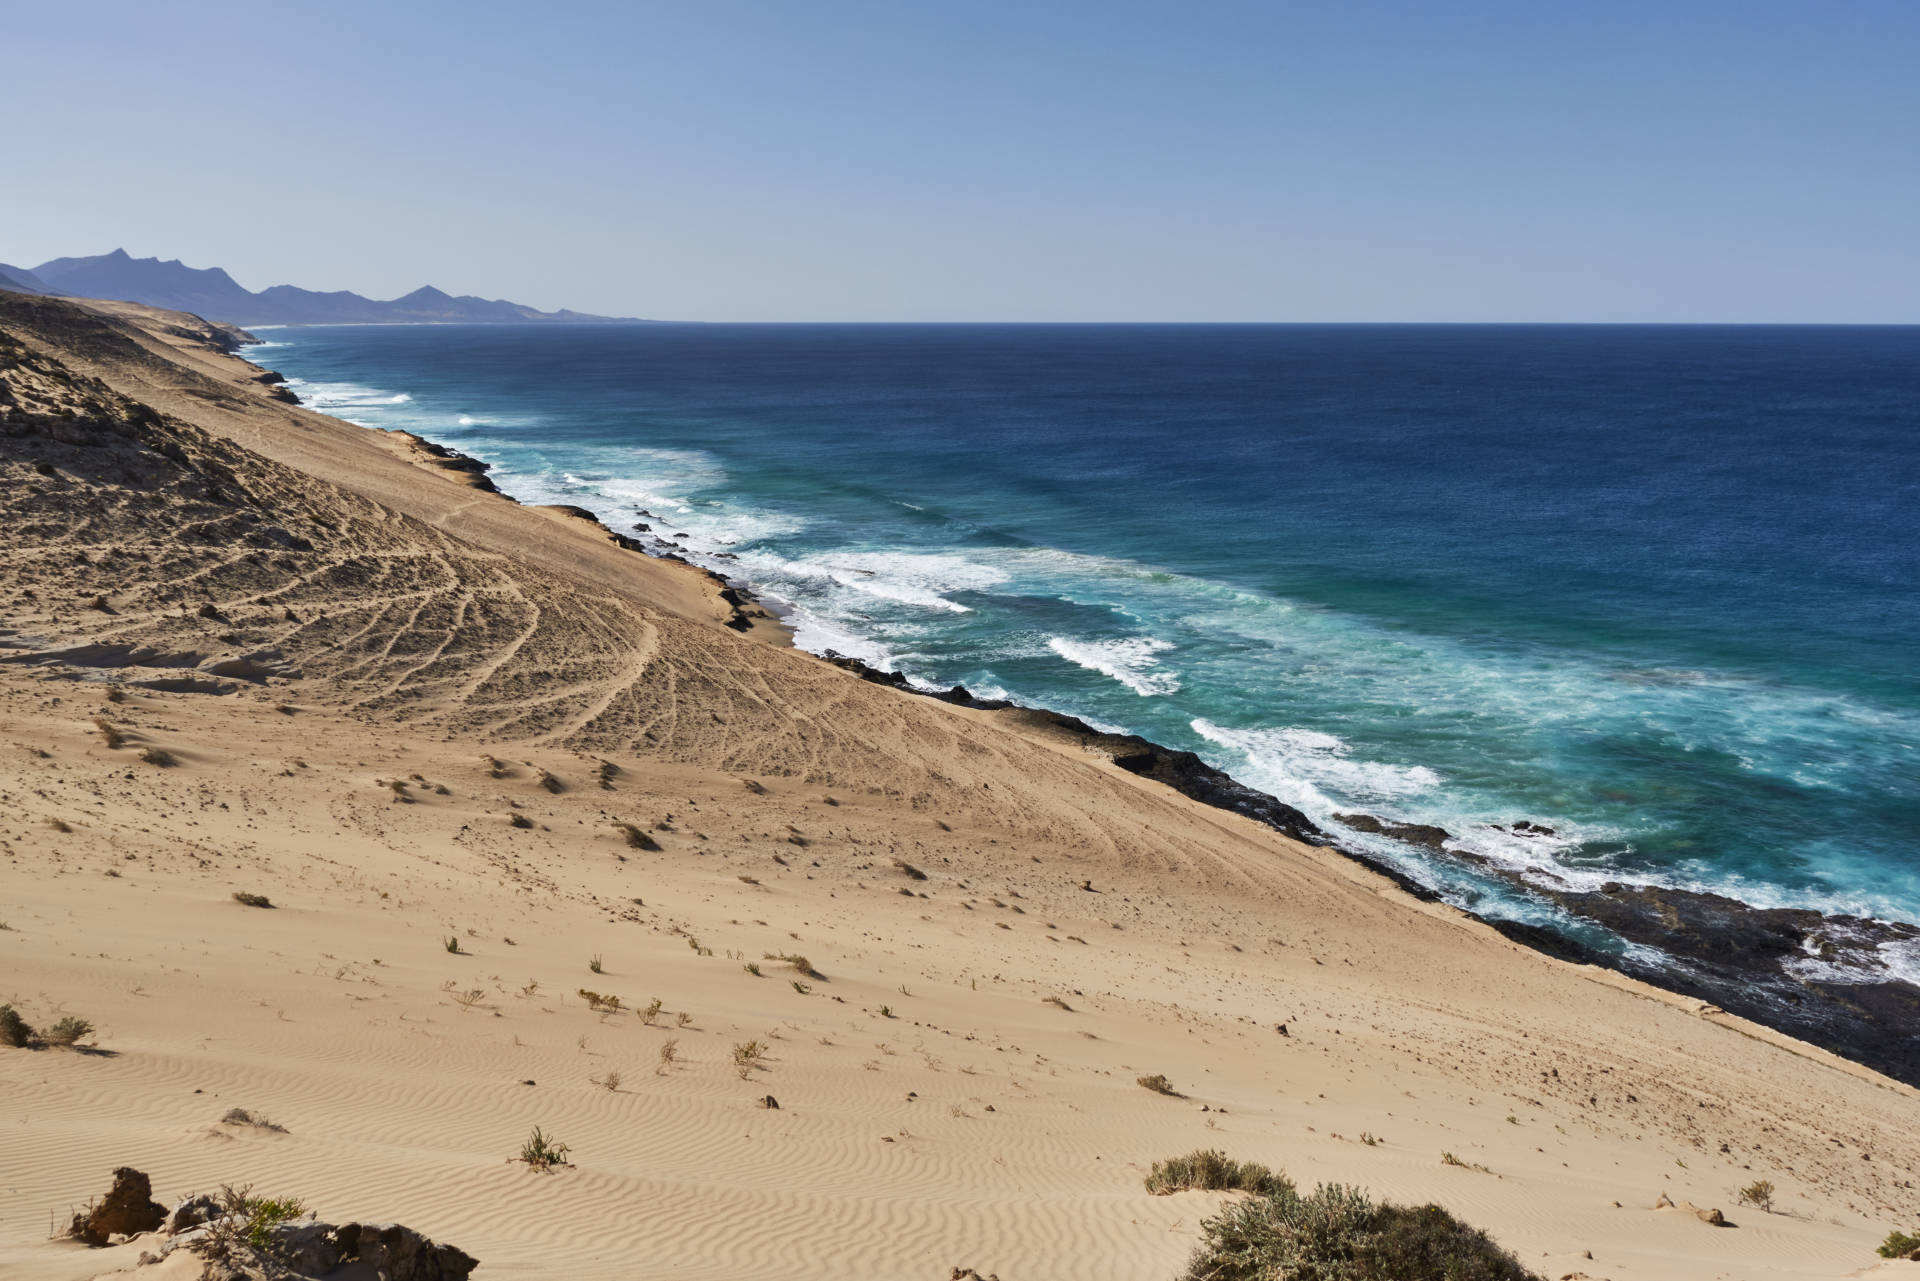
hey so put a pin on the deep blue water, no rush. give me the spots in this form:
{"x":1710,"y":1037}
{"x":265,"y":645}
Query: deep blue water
{"x":1654,"y":587}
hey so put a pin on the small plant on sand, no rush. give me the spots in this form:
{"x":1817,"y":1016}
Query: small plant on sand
{"x":398,"y":787}
{"x":69,"y":1031}
{"x":1159,"y":1085}
{"x":452,"y":944}
{"x":1057,"y":1003}
{"x":669,"y":1055}
{"x":595,"y":1001}
{"x":1901,"y":1245}
{"x":1448,"y":1158}
{"x":59,"y":825}
{"x":908,"y":870}
{"x":796,"y":961}
{"x":159,"y":756}
{"x":593,"y":963}
{"x":542,"y":1153}
{"x":800,"y":987}
{"x":109,"y":732}
{"x":1371,"y":1140}
{"x":1340,"y":1234}
{"x":252,"y":1120}
{"x":249,"y":899}
{"x":1211,"y":1171}
{"x":517,"y":819}
{"x":652,"y":1011}
{"x":1759,"y":1195}
{"x":610,"y":1082}
{"x":14,"y":1030}
{"x":747,"y":1056}
{"x":753,"y":968}
{"x":468,"y":999}
{"x":886,"y":1011}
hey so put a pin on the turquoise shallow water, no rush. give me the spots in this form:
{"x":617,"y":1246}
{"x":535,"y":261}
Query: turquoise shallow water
{"x":1654,"y":588}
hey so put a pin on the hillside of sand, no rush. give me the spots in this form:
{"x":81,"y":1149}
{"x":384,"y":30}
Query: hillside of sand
{"x":482,"y":760}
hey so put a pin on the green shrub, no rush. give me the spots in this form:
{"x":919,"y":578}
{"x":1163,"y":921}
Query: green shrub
{"x":1340,"y":1234}
{"x":1211,"y":1171}
{"x":69,"y":1031}
{"x":14,"y":1030}
{"x":1900,"y":1245}
{"x":264,"y":1213}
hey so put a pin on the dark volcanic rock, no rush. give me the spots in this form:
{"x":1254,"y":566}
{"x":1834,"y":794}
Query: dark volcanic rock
{"x":1433,"y":838}
{"x":127,"y":1209}
{"x":397,"y":1253}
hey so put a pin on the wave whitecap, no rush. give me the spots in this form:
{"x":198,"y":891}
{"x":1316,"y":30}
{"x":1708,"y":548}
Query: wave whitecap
{"x":1132,"y":661}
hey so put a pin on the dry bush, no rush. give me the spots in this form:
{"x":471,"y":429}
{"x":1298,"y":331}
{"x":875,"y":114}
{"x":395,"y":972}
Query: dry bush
{"x":594,"y":963}
{"x":1758,"y":1194}
{"x":14,"y":1030}
{"x":240,"y":1116}
{"x":747,"y":1056}
{"x":1340,"y":1234}
{"x":468,"y":999}
{"x":517,"y":819}
{"x":610,"y":1082}
{"x":1057,"y":1002}
{"x":109,"y":732}
{"x":595,"y":1001}
{"x":68,"y":1031}
{"x":452,"y":944}
{"x":1159,"y":1085}
{"x":59,"y":825}
{"x":652,"y":1012}
{"x":1211,"y":1171}
{"x":159,"y":756}
{"x":669,"y":1055}
{"x":912,"y":872}
{"x":798,"y":962}
{"x":250,"y":899}
{"x":549,"y":782}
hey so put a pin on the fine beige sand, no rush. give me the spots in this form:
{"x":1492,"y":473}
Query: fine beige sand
{"x":363,"y":670}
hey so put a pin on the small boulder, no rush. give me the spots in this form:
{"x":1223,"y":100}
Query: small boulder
{"x":397,"y":1253}
{"x":191,"y":1213}
{"x":127,"y":1210}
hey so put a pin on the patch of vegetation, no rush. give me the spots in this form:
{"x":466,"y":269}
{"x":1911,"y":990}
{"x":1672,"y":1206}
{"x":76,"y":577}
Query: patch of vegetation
{"x":595,"y":1001}
{"x":1338,"y":1233}
{"x":1159,"y":1085}
{"x":1448,"y":1158}
{"x":1901,"y":1245}
{"x":542,"y":1153}
{"x":69,"y":1031}
{"x":1759,"y":1195}
{"x":1211,"y":1171}
{"x":912,"y":872}
{"x":251,"y":899}
{"x":159,"y":756}
{"x":753,"y":968}
{"x":517,"y":819}
{"x":452,"y":944}
{"x":240,"y":1116}
{"x":109,"y":732}
{"x":669,"y":1054}
{"x":747,"y":1056}
{"x":594,"y":963}
{"x":14,"y":1030}
{"x":1057,"y":1002}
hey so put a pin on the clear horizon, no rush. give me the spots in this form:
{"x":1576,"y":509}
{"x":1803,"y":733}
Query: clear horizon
{"x":1068,"y":163}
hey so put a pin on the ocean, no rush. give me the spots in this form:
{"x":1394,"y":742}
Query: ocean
{"x":1651,"y":588}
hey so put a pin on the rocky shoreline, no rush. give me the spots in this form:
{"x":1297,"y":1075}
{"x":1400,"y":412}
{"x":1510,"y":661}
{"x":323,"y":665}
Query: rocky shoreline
{"x":1815,"y":977}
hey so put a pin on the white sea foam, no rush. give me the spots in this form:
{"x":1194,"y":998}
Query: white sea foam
{"x":1132,"y":661}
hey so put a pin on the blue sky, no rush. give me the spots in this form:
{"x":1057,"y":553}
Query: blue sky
{"x":983,"y":161}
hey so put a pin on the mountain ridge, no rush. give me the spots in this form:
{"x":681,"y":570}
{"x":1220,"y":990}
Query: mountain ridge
{"x":211,"y":293}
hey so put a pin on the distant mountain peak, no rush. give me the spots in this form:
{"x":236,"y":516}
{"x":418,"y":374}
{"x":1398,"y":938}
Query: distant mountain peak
{"x":211,"y":293}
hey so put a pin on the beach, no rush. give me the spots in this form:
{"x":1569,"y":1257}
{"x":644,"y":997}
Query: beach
{"x":484,"y":758}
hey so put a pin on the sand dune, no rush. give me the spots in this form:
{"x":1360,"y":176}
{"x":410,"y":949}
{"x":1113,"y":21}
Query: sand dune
{"x":362,"y":670}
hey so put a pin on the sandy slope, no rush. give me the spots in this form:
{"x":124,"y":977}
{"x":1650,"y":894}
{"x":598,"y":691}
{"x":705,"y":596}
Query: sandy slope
{"x":934,"y":1110}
